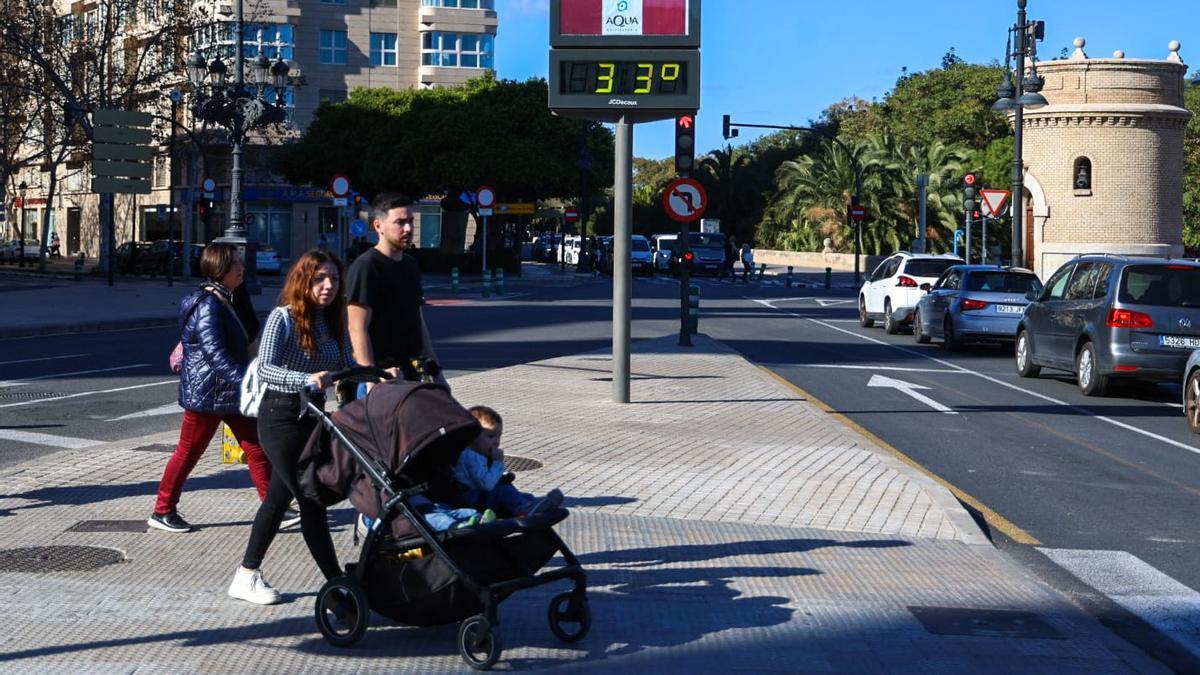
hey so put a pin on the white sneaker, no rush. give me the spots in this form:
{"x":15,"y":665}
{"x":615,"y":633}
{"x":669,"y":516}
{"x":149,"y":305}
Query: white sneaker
{"x":250,"y":586}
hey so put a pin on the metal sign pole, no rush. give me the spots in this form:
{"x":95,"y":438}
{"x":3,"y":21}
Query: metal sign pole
{"x":483,"y":247}
{"x":622,"y":263}
{"x":967,"y":244}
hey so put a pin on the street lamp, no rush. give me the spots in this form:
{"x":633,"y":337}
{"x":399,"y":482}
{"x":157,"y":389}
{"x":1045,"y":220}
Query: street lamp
{"x":239,"y":111}
{"x":21,"y":188}
{"x":1015,"y":94}
{"x":729,"y":132}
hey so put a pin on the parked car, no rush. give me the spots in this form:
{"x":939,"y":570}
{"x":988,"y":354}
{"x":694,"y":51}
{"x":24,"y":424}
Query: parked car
{"x":1107,"y":317}
{"x":663,"y":245}
{"x":974,"y":303}
{"x":1191,"y":391}
{"x":157,"y":255}
{"x":267,"y":260}
{"x":893,"y":289}
{"x":133,"y":257}
{"x":643,"y":257}
{"x":12,"y":250}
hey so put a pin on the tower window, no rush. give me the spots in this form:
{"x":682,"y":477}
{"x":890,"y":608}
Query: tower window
{"x":1081,"y":177}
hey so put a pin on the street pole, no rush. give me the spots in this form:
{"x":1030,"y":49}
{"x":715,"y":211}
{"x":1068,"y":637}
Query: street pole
{"x":622,"y":263}
{"x":967,"y":256}
{"x":983,"y":252}
{"x":1018,"y":175}
{"x":685,"y":324}
{"x":175,"y":96}
{"x":483,"y":245}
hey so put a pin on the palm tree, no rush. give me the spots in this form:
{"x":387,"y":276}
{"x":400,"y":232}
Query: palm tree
{"x":730,"y":188}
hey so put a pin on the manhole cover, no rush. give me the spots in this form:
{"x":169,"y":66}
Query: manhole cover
{"x":155,"y":447}
{"x":984,"y":622}
{"x":39,"y":559}
{"x":108,"y":526}
{"x":518,"y":464}
{"x":29,"y":395}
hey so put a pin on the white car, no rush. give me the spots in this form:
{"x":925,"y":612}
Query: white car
{"x":664,"y":247}
{"x":267,"y":260}
{"x":890,"y":294}
{"x":642,"y":256}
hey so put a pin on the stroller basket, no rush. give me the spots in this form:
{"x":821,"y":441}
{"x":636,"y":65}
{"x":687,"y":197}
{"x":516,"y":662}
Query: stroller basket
{"x":380,"y":452}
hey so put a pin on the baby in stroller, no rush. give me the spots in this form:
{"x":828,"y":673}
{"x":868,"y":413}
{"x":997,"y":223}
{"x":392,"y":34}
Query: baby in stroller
{"x":485,"y":490}
{"x":479,"y":474}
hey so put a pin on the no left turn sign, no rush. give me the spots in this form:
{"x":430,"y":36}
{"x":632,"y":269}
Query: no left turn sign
{"x":685,"y":200}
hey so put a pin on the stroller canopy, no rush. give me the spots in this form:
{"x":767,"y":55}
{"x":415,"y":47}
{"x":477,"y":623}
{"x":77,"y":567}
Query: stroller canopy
{"x":414,"y":432}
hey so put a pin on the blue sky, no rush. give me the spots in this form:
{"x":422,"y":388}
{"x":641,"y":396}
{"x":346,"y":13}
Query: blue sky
{"x":784,"y":61}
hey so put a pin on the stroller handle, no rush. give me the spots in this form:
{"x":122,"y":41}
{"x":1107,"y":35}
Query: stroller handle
{"x":358,"y":372}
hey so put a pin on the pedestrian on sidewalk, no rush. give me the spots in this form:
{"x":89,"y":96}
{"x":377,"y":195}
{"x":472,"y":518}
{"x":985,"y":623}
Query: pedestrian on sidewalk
{"x":216,"y":351}
{"x":747,"y":262}
{"x":383,"y":289}
{"x":304,"y":339}
{"x":727,"y":261}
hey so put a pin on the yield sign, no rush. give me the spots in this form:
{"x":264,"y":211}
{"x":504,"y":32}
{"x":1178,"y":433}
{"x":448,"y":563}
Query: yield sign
{"x":994,"y":202}
{"x":684,"y":199}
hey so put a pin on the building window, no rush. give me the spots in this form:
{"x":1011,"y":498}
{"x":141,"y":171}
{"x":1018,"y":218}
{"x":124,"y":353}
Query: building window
{"x":383,"y":49}
{"x":461,"y":4}
{"x":217,"y":40}
{"x":1081,"y":177}
{"x":455,"y":50}
{"x":331,"y":95}
{"x":333,"y":47}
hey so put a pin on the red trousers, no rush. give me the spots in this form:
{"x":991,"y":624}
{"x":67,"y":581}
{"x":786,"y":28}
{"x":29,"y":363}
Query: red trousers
{"x":194,"y":436}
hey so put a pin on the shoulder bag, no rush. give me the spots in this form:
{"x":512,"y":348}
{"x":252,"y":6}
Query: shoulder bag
{"x":253,"y":386}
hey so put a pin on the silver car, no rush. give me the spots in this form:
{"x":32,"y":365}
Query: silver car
{"x":1108,"y":317}
{"x":974,"y":303}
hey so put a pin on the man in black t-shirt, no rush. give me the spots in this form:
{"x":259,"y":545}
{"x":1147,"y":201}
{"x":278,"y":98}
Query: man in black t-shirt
{"x":383,"y":289}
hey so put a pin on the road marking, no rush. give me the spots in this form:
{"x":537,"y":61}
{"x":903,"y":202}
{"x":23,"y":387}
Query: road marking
{"x":1048,"y":399}
{"x":994,"y":520}
{"x":910,"y":389}
{"x":89,"y":393}
{"x":86,"y":372}
{"x":1172,"y":608}
{"x":891,"y":368}
{"x":44,"y":358}
{"x":47,"y":439}
{"x":169,"y":409}
{"x":825,"y":302}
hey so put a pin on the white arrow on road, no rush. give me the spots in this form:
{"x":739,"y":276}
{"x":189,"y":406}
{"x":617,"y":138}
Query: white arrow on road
{"x":910,"y":389}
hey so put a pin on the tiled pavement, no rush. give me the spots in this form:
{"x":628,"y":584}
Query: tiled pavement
{"x":726,"y":524}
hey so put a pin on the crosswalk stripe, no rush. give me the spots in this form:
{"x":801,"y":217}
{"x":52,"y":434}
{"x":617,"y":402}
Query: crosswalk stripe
{"x":1170,"y":607}
{"x":168,"y":409}
{"x":47,"y":439}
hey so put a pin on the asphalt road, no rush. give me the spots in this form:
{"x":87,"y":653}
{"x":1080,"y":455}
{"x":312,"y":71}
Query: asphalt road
{"x":1048,"y":470}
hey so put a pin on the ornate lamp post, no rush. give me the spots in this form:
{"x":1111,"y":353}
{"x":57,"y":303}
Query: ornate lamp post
{"x":231,"y":106}
{"x":1016,"y":99}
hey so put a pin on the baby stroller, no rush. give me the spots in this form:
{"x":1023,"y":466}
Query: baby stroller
{"x":380,"y":452}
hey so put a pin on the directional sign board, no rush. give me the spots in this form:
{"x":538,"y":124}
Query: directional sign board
{"x":994,"y":202}
{"x":121,"y":152}
{"x":685,"y":200}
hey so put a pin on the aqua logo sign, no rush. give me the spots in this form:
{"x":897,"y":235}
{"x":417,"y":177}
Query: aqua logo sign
{"x":622,"y":17}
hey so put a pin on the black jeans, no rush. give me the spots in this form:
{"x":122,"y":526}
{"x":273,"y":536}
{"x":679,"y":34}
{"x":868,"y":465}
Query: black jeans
{"x":282,"y":434}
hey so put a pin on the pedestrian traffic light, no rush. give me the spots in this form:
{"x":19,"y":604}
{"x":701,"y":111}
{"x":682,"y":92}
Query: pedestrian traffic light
{"x":685,"y":145}
{"x":970,"y":191}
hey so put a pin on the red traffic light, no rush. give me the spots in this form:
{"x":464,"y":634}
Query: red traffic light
{"x":969,"y":179}
{"x":686,"y":121}
{"x":689,"y":256}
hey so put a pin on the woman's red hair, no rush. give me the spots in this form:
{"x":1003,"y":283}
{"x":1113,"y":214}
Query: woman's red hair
{"x":297,"y":294}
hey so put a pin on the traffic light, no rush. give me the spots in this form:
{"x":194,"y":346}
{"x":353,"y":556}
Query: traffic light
{"x":689,"y":257}
{"x":726,"y":132}
{"x":970,"y":191}
{"x":685,"y":145}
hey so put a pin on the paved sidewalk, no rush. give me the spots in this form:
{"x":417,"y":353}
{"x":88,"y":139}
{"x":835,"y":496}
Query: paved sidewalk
{"x":727,"y":525}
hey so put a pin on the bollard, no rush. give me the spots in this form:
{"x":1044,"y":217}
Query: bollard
{"x":694,"y":308}
{"x":500,"y":281}
{"x":79,"y":266}
{"x":486,"y":284}
{"x":454,"y":280}
{"x":828,"y":277}
{"x":789,"y":277}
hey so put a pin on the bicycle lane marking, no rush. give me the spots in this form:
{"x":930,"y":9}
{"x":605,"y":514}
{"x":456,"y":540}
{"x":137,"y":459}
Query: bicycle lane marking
{"x":1049,"y":399}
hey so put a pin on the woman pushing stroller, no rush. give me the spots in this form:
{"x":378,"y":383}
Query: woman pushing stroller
{"x":304,"y":339}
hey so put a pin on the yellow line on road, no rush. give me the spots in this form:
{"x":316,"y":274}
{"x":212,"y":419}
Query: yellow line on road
{"x":993,"y":519}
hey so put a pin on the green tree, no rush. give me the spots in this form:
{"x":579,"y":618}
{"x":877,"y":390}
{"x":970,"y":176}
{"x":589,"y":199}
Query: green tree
{"x":1191,"y":172}
{"x":430,"y":141}
{"x":950,"y":104}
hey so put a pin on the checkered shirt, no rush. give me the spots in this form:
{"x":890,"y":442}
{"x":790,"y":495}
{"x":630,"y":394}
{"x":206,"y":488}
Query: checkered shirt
{"x":284,"y":366}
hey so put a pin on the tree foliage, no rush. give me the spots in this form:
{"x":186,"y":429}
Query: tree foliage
{"x":430,"y":141}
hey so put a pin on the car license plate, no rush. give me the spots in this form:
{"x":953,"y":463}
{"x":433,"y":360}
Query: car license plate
{"x":1179,"y":342}
{"x":1010,"y":309}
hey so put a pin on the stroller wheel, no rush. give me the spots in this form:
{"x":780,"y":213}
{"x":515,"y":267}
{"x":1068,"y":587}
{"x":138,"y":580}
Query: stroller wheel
{"x":570,"y":619}
{"x":478,"y":643}
{"x":342,"y":611}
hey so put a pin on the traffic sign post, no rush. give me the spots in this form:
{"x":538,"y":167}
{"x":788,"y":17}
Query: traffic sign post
{"x":995,"y":202}
{"x":684,"y":200}
{"x":121,"y":164}
{"x":858,"y":212}
{"x":485,"y":198}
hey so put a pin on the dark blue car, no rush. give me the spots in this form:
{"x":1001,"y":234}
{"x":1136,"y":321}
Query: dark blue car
{"x":974,"y":303}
